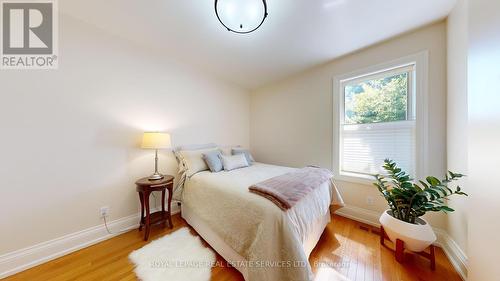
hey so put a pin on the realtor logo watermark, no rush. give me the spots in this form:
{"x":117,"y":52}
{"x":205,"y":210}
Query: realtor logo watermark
{"x":29,"y":34}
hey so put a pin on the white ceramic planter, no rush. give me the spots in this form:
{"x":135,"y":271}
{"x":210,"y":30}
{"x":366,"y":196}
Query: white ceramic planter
{"x":416,"y":237}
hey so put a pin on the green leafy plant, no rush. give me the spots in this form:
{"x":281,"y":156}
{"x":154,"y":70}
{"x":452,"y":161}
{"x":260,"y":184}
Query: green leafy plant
{"x":409,"y":200}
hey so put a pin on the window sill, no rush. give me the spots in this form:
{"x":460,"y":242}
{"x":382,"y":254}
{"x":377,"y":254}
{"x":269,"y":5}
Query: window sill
{"x":355,"y":178}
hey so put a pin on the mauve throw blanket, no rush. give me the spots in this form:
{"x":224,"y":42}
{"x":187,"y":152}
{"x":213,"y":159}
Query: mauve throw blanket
{"x":288,"y":189}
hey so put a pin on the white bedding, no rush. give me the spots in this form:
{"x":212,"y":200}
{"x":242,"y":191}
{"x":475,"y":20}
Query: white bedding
{"x":254,"y":227}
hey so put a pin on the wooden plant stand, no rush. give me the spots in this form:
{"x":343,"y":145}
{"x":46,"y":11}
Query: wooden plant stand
{"x":400,"y":249}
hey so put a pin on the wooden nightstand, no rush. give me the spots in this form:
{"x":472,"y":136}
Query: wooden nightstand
{"x":144,"y":188}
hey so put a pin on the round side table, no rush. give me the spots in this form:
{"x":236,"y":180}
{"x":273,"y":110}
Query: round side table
{"x":145,"y":187}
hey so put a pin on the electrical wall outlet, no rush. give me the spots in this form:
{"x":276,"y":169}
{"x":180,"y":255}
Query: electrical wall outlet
{"x":369,"y":200}
{"x":104,"y":211}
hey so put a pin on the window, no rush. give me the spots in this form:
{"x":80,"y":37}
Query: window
{"x":377,"y":120}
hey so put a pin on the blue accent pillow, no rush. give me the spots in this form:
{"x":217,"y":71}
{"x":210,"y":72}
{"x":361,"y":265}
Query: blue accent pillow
{"x":244,"y":151}
{"x":213,"y":161}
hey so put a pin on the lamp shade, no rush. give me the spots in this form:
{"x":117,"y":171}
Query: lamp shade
{"x":155,"y":140}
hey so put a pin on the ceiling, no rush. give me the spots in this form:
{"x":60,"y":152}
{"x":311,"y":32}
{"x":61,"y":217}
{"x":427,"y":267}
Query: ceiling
{"x":297,"y":34}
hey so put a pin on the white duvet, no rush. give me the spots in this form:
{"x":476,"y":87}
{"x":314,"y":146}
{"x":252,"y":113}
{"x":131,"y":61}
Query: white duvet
{"x":269,"y":238}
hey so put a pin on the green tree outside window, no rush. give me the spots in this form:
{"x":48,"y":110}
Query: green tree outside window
{"x":377,"y":100}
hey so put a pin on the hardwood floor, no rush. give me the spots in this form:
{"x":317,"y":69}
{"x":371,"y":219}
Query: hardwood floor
{"x":347,"y":250}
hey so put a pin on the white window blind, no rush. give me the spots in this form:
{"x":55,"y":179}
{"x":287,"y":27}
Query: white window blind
{"x":365,"y":146}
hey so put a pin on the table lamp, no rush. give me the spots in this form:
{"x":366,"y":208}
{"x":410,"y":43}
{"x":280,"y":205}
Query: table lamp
{"x":156,"y":141}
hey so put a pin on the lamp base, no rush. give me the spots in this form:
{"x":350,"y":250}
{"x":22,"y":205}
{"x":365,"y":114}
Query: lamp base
{"x":155,"y":177}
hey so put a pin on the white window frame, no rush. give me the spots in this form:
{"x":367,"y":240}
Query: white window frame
{"x":420,"y":64}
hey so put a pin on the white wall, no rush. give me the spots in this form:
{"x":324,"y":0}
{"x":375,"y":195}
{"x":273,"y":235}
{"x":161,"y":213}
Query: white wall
{"x":456,"y":147}
{"x":291,"y":120}
{"x":70,"y":137}
{"x":484,"y":139}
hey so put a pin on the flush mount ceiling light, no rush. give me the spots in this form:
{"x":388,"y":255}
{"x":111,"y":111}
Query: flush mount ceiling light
{"x":241,"y":16}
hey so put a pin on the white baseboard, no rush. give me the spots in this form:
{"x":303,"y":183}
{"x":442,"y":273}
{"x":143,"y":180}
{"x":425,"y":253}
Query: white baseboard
{"x":359,"y":214}
{"x":454,"y":253}
{"x":16,"y":261}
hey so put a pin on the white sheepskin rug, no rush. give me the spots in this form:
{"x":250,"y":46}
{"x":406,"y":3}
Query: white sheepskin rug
{"x":178,"y":256}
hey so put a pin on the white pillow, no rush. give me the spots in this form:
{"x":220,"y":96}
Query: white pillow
{"x":234,"y":161}
{"x":193,"y":160}
{"x":227,"y":149}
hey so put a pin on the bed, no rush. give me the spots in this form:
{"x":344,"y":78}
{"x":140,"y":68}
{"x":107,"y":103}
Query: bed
{"x":250,"y":232}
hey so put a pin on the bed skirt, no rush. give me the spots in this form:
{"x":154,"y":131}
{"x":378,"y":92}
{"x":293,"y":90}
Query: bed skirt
{"x":229,"y":254}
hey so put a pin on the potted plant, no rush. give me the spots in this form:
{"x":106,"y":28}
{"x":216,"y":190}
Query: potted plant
{"x":409,"y":200}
